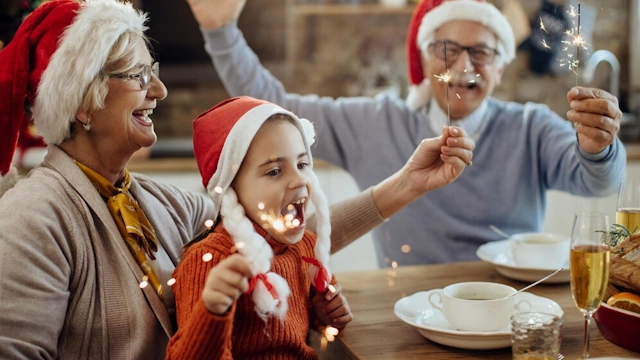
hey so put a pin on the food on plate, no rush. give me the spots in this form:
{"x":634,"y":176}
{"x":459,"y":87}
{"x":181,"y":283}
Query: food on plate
{"x":624,"y":274}
{"x":625,"y":264}
{"x":625,"y":300}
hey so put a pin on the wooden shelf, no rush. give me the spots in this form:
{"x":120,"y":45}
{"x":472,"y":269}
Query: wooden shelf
{"x":365,"y":9}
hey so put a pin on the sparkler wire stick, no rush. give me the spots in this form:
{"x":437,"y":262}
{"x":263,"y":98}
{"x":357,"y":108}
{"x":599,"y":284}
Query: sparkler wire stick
{"x":446,"y":68}
{"x":578,"y":47}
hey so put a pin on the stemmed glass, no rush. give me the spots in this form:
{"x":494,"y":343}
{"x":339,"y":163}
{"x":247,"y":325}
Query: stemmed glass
{"x":590,"y":257}
{"x":628,"y":210}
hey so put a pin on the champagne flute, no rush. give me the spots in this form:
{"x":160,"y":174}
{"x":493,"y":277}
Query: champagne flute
{"x":590,"y":256}
{"x":628,"y":210}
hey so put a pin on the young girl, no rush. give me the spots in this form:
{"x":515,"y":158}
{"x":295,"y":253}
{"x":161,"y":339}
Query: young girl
{"x":256,"y":163}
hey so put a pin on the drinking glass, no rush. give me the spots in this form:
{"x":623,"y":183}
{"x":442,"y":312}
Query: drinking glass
{"x":535,"y":335}
{"x":590,"y":256}
{"x":628,"y":210}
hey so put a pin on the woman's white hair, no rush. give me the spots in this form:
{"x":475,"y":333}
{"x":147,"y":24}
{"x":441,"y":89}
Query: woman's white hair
{"x":103,"y":34}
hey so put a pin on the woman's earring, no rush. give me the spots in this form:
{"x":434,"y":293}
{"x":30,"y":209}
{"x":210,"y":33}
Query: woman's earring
{"x":87,"y":126}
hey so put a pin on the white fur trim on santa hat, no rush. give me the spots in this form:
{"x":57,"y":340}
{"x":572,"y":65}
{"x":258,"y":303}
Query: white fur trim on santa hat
{"x":8,"y":180}
{"x":419,"y":95}
{"x":472,"y":10}
{"x":81,"y":55}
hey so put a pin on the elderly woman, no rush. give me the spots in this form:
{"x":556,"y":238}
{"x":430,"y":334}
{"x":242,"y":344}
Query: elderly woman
{"x":86,"y":248}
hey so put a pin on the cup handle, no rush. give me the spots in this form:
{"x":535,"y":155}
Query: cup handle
{"x":517,"y":306}
{"x":433,"y":304}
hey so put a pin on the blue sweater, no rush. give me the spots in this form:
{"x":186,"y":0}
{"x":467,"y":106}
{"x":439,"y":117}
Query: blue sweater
{"x":521,"y":151}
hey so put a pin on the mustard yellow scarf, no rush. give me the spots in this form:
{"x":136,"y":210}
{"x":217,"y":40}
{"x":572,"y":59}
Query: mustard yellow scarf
{"x":131,"y":221}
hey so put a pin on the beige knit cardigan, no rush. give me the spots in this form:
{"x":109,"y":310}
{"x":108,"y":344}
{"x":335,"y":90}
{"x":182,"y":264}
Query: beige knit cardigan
{"x":69,"y":288}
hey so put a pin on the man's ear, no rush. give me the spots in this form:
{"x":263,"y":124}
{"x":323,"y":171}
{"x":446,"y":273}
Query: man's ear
{"x":500,"y":73}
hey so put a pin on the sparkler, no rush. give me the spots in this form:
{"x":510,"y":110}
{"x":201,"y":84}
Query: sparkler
{"x":575,"y":39}
{"x":445,"y":78}
{"x":278,"y":222}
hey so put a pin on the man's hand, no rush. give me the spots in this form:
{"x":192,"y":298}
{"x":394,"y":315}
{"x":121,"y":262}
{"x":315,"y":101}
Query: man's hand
{"x":214,"y":14}
{"x":439,"y":161}
{"x":596,"y":116}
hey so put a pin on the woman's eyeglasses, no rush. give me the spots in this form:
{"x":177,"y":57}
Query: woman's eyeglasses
{"x":479,"y":54}
{"x":144,"y":76}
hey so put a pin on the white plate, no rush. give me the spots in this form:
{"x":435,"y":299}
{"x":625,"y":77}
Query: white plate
{"x":416,"y":311}
{"x":497,"y":253}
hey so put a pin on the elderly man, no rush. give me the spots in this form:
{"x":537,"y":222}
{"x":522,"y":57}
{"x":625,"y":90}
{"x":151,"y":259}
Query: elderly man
{"x":521,"y":150}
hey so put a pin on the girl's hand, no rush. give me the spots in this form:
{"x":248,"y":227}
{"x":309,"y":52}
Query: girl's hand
{"x":225,"y":283}
{"x":332,"y":309}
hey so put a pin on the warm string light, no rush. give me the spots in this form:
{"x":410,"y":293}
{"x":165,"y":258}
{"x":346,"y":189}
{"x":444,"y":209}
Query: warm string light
{"x":328,"y":335}
{"x":144,"y":282}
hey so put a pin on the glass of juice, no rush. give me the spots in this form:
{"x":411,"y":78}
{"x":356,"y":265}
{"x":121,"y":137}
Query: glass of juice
{"x":590,"y":256}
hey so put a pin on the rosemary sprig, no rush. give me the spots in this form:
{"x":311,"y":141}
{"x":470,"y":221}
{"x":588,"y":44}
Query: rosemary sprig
{"x":619,"y":233}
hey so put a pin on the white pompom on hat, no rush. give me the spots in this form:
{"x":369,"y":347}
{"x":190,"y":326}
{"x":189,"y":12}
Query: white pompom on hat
{"x":221,"y":138}
{"x":428,"y":16}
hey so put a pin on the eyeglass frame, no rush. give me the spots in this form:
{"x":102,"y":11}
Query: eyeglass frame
{"x":468,"y":49}
{"x":153,"y":69}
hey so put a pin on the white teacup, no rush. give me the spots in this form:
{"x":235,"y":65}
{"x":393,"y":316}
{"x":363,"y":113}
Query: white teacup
{"x":477,"y":306}
{"x":540,"y":250}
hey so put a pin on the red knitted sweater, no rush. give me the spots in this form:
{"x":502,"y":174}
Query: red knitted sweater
{"x":241,"y":334}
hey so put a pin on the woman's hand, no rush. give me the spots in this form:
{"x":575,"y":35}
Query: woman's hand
{"x":214,"y":14}
{"x":331,"y":308}
{"x":596,"y":116}
{"x":435,"y":162}
{"x":225,"y":283}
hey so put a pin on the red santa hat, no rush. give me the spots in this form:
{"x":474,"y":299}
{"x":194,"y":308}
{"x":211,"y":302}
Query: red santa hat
{"x":57,"y":51}
{"x":221,"y":139}
{"x":428,"y":16}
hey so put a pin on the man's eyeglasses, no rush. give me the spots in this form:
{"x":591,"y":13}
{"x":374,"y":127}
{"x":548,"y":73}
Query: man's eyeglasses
{"x":144,"y":76}
{"x":479,"y":54}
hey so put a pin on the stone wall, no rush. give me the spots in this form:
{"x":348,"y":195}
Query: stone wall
{"x":347,"y":55}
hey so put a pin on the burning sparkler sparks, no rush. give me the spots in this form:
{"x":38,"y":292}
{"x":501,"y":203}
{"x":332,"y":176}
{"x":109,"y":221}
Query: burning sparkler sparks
{"x":278,"y":222}
{"x":446,"y":78}
{"x":574,"y":39}
{"x":542,"y":27}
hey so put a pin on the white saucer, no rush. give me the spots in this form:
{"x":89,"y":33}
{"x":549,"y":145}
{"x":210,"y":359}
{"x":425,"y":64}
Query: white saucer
{"x":497,"y":253}
{"x":416,"y":311}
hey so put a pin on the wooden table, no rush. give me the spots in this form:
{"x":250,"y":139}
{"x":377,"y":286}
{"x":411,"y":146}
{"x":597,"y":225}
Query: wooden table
{"x":376,"y":333}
